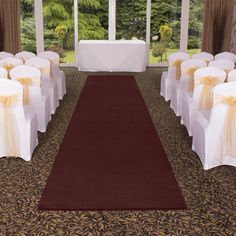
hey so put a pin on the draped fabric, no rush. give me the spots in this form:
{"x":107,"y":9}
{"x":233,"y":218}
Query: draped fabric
{"x":1,"y":31}
{"x":233,"y":30}
{"x":217,"y":26}
{"x":228,"y":144}
{"x":10,"y":25}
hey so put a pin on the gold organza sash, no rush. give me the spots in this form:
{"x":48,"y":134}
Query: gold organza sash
{"x":190,"y":72}
{"x":10,"y":133}
{"x":8,"y":66}
{"x":229,"y":137}
{"x":26,"y":82}
{"x":177,"y":65}
{"x":208,"y":83}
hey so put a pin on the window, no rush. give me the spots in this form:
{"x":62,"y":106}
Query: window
{"x":58,"y":19}
{"x":131,"y":19}
{"x":195,"y":26}
{"x":27,"y":26}
{"x":165,"y":29}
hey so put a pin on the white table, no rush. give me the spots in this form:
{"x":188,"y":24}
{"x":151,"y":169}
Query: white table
{"x":118,"y":55}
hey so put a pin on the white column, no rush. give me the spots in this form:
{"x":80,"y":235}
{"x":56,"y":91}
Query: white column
{"x":112,"y":20}
{"x":148,"y":27}
{"x":184,"y":25}
{"x":76,"y":36}
{"x":38,"y":12}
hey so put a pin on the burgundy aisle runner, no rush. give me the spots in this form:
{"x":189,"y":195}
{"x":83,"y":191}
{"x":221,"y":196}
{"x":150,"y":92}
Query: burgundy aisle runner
{"x":111,"y":157}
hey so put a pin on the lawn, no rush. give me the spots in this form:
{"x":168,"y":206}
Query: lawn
{"x":70,"y":55}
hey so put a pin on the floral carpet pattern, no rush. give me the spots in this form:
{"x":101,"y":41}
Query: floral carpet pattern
{"x":210,"y":195}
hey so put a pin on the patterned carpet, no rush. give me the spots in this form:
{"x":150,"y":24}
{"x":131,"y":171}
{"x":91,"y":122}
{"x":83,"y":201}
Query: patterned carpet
{"x":210,"y":195}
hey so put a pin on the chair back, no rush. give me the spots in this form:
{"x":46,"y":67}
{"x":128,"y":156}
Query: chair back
{"x":174,"y":61}
{"x":223,"y":116}
{"x":29,"y":77}
{"x":53,"y":57}
{"x":24,"y":55}
{"x":226,"y":55}
{"x":42,"y":64}
{"x":188,"y":68}
{"x":5,"y":54}
{"x":205,"y":56}
{"x":205,"y":79}
{"x":10,"y":62}
{"x":3,"y":73}
{"x":231,"y":76}
{"x":224,"y":64}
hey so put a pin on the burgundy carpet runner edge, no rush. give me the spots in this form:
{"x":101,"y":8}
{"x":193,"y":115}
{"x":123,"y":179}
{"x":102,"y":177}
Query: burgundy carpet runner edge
{"x":111,"y":157}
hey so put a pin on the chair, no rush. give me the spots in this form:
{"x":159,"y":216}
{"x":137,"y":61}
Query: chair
{"x":223,"y":64}
{"x":188,"y":68}
{"x":24,"y":55}
{"x":226,"y":55}
{"x":201,"y":97}
{"x":34,"y":98}
{"x":57,"y":74}
{"x":18,"y":136}
{"x":214,"y":139}
{"x":5,"y":54}
{"x":3,"y":73}
{"x":10,"y":62}
{"x":232,"y":76}
{"x":168,"y":79}
{"x":205,"y":56}
{"x":48,"y":83}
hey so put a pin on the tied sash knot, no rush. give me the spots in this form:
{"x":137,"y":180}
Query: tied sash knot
{"x":208,"y":83}
{"x":8,"y":66}
{"x":177,"y":65}
{"x":26,"y":82}
{"x":190,"y":72}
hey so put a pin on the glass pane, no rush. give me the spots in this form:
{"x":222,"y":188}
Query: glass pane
{"x":195,"y":26}
{"x":131,"y":19}
{"x":59,"y":28}
{"x":165,"y":29}
{"x":93,"y":19}
{"x":27,"y":26}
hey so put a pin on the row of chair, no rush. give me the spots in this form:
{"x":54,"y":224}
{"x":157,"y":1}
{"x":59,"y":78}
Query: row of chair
{"x":30,"y":89}
{"x":202,"y":90}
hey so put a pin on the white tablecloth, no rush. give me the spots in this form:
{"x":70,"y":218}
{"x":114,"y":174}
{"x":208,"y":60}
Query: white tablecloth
{"x":119,"y":55}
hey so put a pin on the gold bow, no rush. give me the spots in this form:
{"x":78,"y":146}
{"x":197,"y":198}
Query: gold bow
{"x":8,"y":66}
{"x":228,"y":139}
{"x":208,"y":83}
{"x":190,"y":72}
{"x":26,"y":82}
{"x":10,"y":132}
{"x":177,"y":65}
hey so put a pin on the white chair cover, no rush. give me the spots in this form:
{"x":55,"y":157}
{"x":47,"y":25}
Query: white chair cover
{"x":188,"y":68}
{"x":24,"y":55}
{"x":201,"y":99}
{"x":10,"y":62}
{"x":232,"y":76}
{"x":18,"y":127}
{"x":3,"y":73}
{"x":34,"y":98}
{"x":226,"y":55}
{"x":205,"y":56}
{"x":223,"y":64}
{"x":5,"y":54}
{"x":57,"y":74}
{"x":214,"y":140}
{"x":49,"y":84}
{"x":173,"y":75}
